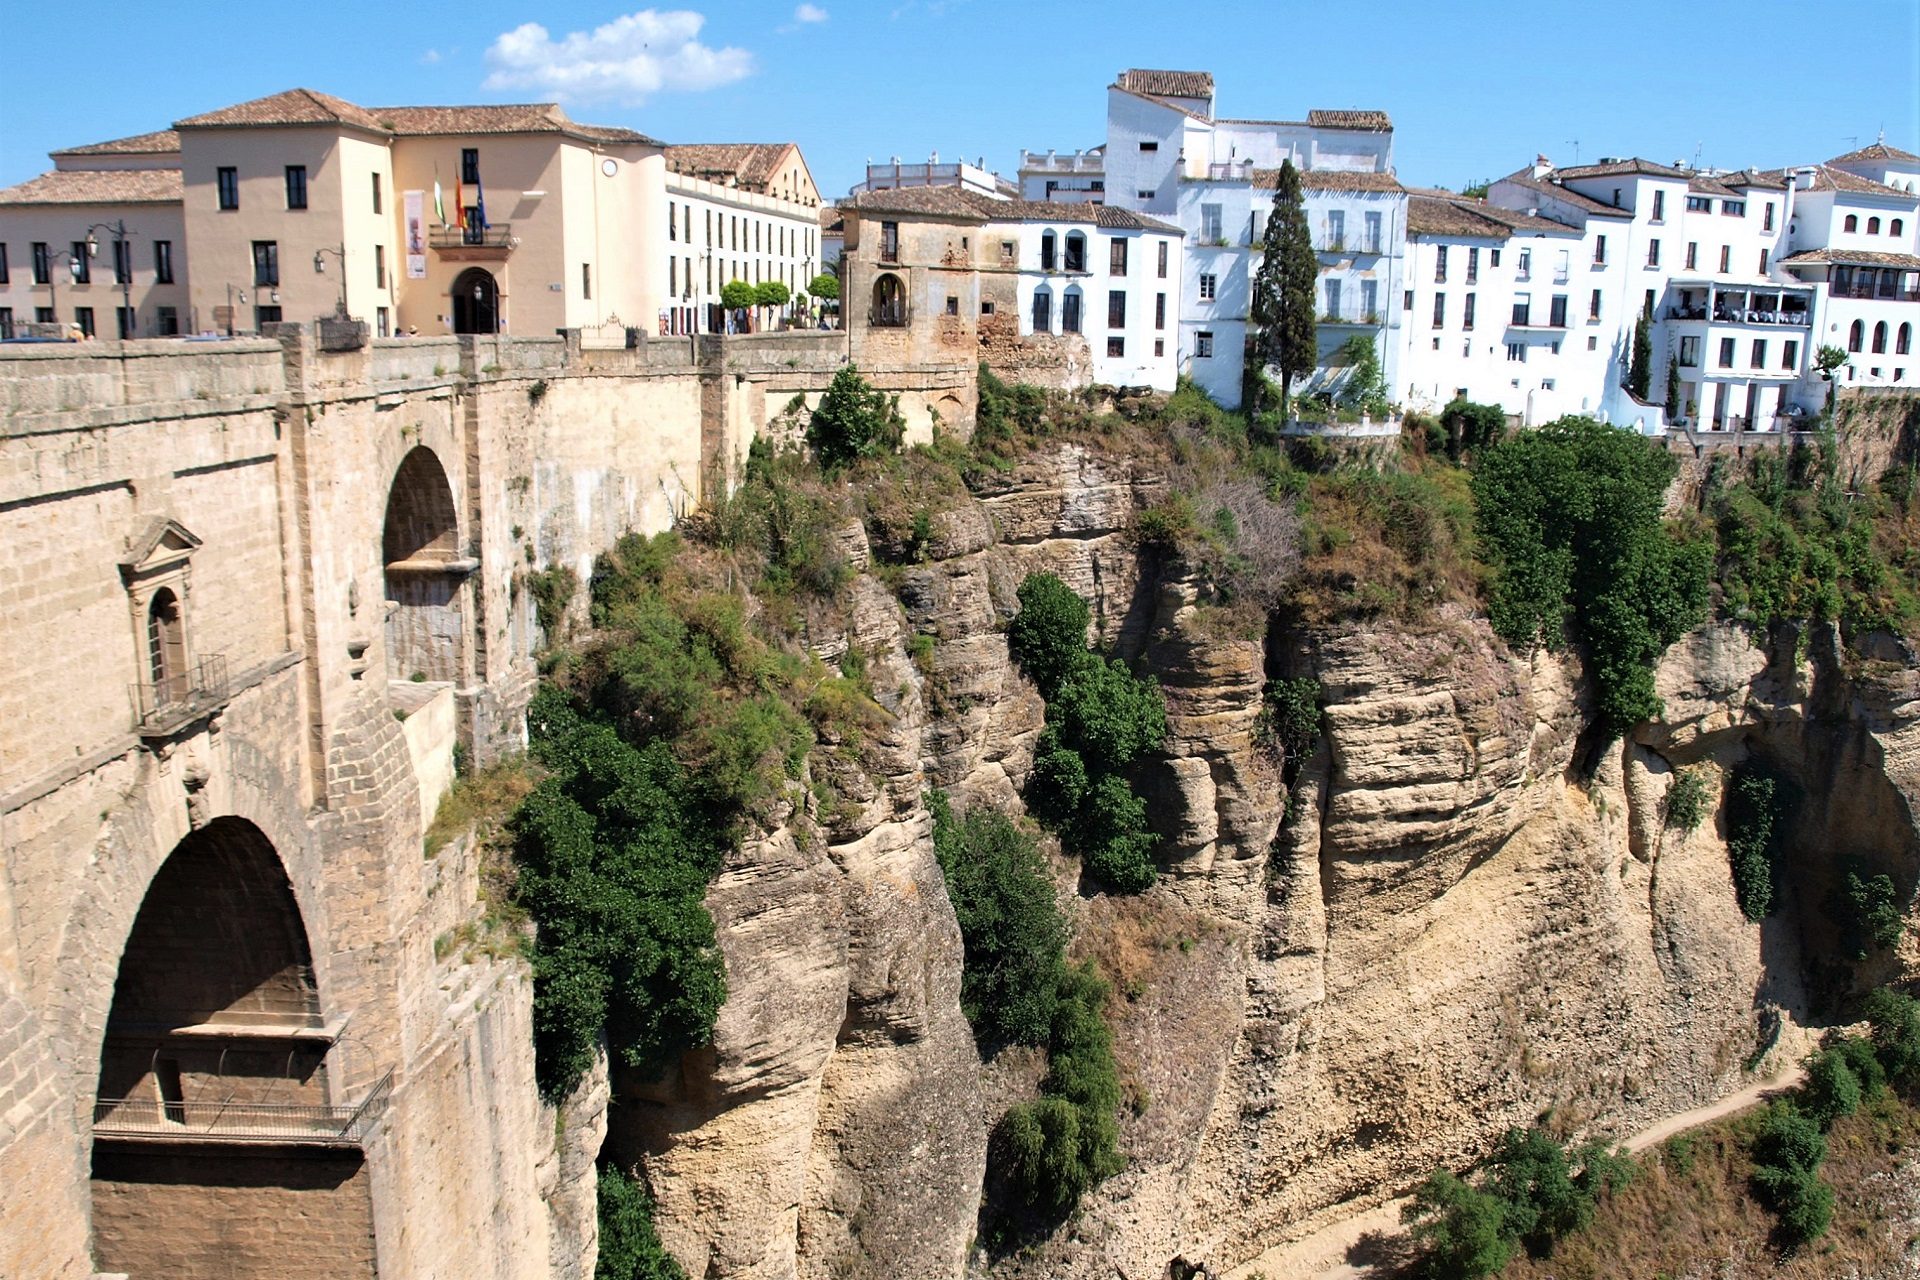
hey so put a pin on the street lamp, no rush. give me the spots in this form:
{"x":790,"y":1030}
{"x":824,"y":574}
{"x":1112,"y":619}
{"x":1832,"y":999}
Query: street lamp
{"x":320,"y":268}
{"x":230,"y":295}
{"x":122,"y":265}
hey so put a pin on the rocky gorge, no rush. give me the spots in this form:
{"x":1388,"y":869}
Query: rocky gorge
{"x":1460,"y":912}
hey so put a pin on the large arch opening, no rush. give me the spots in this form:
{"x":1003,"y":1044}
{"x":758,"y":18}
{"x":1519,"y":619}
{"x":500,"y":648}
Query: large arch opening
{"x":889,"y":303}
{"x":476,"y":302}
{"x":419,"y":547}
{"x":222,"y":1143}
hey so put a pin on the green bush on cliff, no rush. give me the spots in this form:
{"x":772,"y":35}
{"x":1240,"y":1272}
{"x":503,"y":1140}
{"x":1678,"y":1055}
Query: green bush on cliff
{"x":1685,"y":806}
{"x":1867,"y":910}
{"x":1570,"y":516}
{"x":855,"y":420}
{"x":630,"y":1248}
{"x":1055,"y":1149}
{"x":1754,"y":811}
{"x":1014,"y":935}
{"x":1101,"y":719}
{"x":1895,"y":1019}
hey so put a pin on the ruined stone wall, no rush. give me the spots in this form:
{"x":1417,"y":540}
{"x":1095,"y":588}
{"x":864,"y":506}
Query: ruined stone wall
{"x":1061,"y":362}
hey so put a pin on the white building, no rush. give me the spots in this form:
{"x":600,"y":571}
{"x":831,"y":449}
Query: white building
{"x":1168,"y":156}
{"x":744,"y":211}
{"x":977,"y":178}
{"x":1078,"y":177}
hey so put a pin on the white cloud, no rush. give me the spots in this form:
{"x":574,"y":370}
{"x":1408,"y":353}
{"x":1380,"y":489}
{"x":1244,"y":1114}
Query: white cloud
{"x":430,"y":57}
{"x":809,"y":13}
{"x":628,"y":60}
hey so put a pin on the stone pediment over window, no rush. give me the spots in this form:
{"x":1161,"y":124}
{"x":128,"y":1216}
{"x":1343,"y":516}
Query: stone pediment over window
{"x":164,"y":546}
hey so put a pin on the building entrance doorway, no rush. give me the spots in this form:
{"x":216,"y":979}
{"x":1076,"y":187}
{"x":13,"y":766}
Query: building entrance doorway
{"x":476,"y":302}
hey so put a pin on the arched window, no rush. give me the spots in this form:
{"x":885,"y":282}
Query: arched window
{"x":166,"y":649}
{"x":889,"y":303}
{"x":1070,"y":310}
{"x":419,"y":545}
{"x":1903,"y":340}
{"x":1856,"y":336}
{"x":1043,"y":310}
{"x":1880,"y":338}
{"x":1047,"y":262}
{"x":1076,"y":251}
{"x":1873,"y":226}
{"x":1852,"y":223}
{"x":1897,"y":227}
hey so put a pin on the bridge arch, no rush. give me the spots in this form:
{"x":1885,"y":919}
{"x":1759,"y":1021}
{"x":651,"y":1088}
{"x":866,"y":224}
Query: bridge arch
{"x":219,"y":1135}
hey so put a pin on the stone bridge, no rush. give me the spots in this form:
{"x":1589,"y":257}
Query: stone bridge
{"x":257,"y":594}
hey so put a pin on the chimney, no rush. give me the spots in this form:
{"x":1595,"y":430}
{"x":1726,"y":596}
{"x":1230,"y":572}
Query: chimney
{"x":1542,"y":166}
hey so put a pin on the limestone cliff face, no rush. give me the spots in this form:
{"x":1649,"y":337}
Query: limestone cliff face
{"x":1455,"y":929}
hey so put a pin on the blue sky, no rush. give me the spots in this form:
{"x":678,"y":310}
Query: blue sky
{"x":1474,"y":88}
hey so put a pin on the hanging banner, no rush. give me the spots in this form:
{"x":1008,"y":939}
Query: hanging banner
{"x":416,"y":203}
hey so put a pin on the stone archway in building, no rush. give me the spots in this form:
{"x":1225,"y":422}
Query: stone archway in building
{"x":226,"y":1137}
{"x":423,"y":572}
{"x":476,"y":302}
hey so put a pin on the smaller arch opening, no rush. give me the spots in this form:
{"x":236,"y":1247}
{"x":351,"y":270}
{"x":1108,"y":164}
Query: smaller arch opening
{"x":1873,"y":226}
{"x":889,"y":303}
{"x":1880,"y":338}
{"x":476,"y":302}
{"x":1856,"y":336}
{"x":1048,"y":245}
{"x":1076,"y":251}
{"x":1043,"y":310}
{"x":1852,"y":223}
{"x":1897,"y":227}
{"x":1903,"y":340}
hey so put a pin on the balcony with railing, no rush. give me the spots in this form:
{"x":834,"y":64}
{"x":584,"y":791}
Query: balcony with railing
{"x":1874,"y":293}
{"x":231,"y":1120}
{"x":1231,"y":171}
{"x":462,"y":243}
{"x":178,"y":698}
{"x":1742,"y":306}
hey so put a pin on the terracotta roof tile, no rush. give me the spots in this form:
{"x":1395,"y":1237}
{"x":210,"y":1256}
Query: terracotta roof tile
{"x":1829,"y":179}
{"x":1330,"y":180}
{"x":1167,"y":84}
{"x":97,"y":186}
{"x":140,"y":144}
{"x":1701,"y":184}
{"x":1586,"y":204}
{"x":497,"y":118}
{"x":1613,"y":168}
{"x":957,"y":202}
{"x":750,"y":165}
{"x":294,"y":107}
{"x":1868,"y":257}
{"x":1370,"y":121}
{"x":1432,"y":216}
{"x":1878,"y":151}
{"x":1745,"y":178}
{"x":831,"y":219}
{"x":1518,"y":221}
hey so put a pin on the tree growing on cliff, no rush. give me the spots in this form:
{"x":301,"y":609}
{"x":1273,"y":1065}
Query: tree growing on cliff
{"x":1285,"y":335}
{"x":855,"y":420}
{"x":630,"y":1248}
{"x":1571,"y":517}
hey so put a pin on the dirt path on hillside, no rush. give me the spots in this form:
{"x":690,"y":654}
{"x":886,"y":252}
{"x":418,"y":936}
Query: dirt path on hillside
{"x":1336,"y":1251}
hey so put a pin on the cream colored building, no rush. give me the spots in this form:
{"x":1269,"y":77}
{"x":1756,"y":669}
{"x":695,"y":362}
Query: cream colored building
{"x":300,"y":205}
{"x":744,"y":211}
{"x":125,"y":194}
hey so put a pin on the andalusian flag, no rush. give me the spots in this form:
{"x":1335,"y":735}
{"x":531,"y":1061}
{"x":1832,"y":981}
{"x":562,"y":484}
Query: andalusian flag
{"x":439,"y":209}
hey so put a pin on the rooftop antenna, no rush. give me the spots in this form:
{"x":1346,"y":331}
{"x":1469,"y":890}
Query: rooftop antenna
{"x":1575,"y":144}
{"x":1853,"y":141}
{"x":1698,"y":147}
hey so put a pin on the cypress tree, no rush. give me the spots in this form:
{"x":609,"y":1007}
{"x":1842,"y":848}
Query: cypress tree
{"x":1640,"y":372}
{"x":1285,"y":335}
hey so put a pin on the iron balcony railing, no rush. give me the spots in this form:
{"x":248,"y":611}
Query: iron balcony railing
{"x":498,"y":235}
{"x":230,"y":1120}
{"x":175,"y":699}
{"x":1874,"y":292}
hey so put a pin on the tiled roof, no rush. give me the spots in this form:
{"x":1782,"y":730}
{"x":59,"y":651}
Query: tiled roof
{"x":957,"y":202}
{"x":1431,"y":216}
{"x":1773,"y":181}
{"x":1867,"y":257}
{"x":1371,"y":121}
{"x":140,"y":144}
{"x":1829,"y":179}
{"x":98,"y":186}
{"x":1586,"y":204}
{"x":750,"y":165}
{"x":1518,"y":221}
{"x":1878,"y":151}
{"x":499,"y":118}
{"x":1701,"y":184}
{"x":294,"y":107}
{"x":1330,"y":180}
{"x":831,"y":219}
{"x":1614,"y":168}
{"x":1167,"y":84}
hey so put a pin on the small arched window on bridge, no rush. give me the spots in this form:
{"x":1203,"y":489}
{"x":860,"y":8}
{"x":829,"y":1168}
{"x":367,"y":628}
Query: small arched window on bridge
{"x":889,"y":303}
{"x":170,"y":684}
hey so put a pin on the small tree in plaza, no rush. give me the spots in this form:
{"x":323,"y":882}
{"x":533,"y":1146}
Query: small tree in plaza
{"x":736,"y":295}
{"x":771,"y":294}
